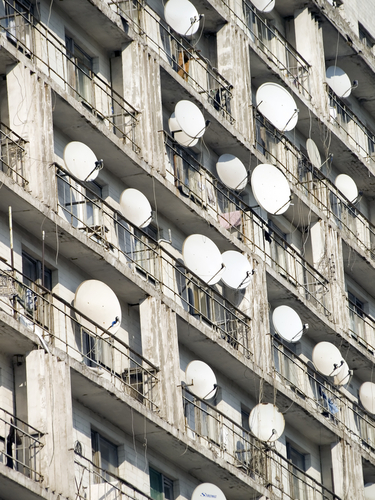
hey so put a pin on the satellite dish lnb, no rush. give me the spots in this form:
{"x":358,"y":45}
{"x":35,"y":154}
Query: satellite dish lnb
{"x":97,"y":301}
{"x":266,"y":422}
{"x":209,"y":491}
{"x":187,"y":123}
{"x":271,"y":189}
{"x":263,"y":5}
{"x":347,"y":186}
{"x":277,"y":105}
{"x":367,"y":396}
{"x":287,"y":323}
{"x":327,"y":359}
{"x":237,"y":273}
{"x":200,"y":379}
{"x":339,"y":81}
{"x":81,"y":162}
{"x":136,"y":207}
{"x":182,"y":16}
{"x":232,"y":172}
{"x":203,"y":258}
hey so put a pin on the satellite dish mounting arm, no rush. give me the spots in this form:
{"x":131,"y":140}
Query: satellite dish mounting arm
{"x":99,"y":165}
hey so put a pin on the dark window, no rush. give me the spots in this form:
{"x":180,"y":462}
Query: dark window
{"x":161,"y":487}
{"x":32,"y":271}
{"x":365,"y":36}
{"x":104,"y":456}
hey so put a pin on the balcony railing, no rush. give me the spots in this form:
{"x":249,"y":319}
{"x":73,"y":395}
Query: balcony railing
{"x":313,"y":184}
{"x":93,"y":483}
{"x":361,"y":327}
{"x":277,"y":49}
{"x":357,"y":134}
{"x":323,"y":396}
{"x":198,"y":184}
{"x":47,"y":51}
{"x":20,"y":446}
{"x":56,"y":321}
{"x":206,"y":425}
{"x":12,"y":161}
{"x":185,"y":60}
{"x":101,"y":223}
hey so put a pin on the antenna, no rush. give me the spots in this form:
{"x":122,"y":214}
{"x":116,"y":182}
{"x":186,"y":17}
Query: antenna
{"x":344,"y":376}
{"x":187,"y":123}
{"x":327,"y":359}
{"x":313,"y":153}
{"x":182,"y":16}
{"x":208,"y":490}
{"x":263,"y":5}
{"x":232,"y":172}
{"x":288,"y":324}
{"x":203,"y":258}
{"x":277,"y":105}
{"x":201,"y":378}
{"x":270,"y":189}
{"x":238,"y":270}
{"x":81,"y":162}
{"x":367,"y":396}
{"x":135,"y":207}
{"x":266,"y":422}
{"x":97,"y":301}
{"x":339,"y":81}
{"x":347,"y":186}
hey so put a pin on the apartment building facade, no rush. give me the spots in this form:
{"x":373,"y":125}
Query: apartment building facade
{"x":90,"y":414}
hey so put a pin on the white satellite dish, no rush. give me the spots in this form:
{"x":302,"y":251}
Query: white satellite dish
{"x":263,"y":5}
{"x":266,"y":422}
{"x":327,"y":359}
{"x":270,"y":189}
{"x":277,"y":105}
{"x":339,"y":81}
{"x":201,"y":379}
{"x":81,"y":161}
{"x":190,"y":118}
{"x":232,"y":172}
{"x":179,"y":135}
{"x":287,"y":323}
{"x":203,"y":258}
{"x":237,"y":273}
{"x":135,"y":207}
{"x":207,"y":490}
{"x":97,"y":301}
{"x":347,"y":186}
{"x":367,"y":396}
{"x":370,"y":491}
{"x":313,"y":152}
{"x":344,"y":375}
{"x":182,"y":16}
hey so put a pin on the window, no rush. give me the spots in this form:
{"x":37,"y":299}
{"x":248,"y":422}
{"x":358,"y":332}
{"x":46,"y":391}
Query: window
{"x":365,"y":37}
{"x":356,"y":313}
{"x":32,"y":271}
{"x":79,"y":71}
{"x":298,"y":467}
{"x":161,"y":487}
{"x":104,"y":456}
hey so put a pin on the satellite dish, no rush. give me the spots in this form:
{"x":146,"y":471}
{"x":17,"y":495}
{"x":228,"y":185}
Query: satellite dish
{"x":135,"y":207}
{"x":266,"y":422}
{"x":209,"y":491}
{"x":277,"y":105}
{"x":339,"y":81}
{"x":367,"y":396}
{"x":347,"y":186}
{"x":179,"y":135}
{"x":237,"y":273}
{"x":182,"y":16}
{"x":263,"y":5}
{"x":232,"y":172}
{"x":203,"y":258}
{"x":313,"y":152}
{"x":201,"y":379}
{"x":370,"y":491}
{"x":81,"y":161}
{"x":343,"y":377}
{"x":98,"y":302}
{"x":270,"y":189}
{"x":327,"y":359}
{"x":287,"y":323}
{"x":187,"y":123}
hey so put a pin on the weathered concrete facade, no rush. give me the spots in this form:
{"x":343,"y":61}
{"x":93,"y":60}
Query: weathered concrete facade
{"x":86,"y":414}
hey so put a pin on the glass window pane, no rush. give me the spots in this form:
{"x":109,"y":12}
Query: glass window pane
{"x":156,"y":485}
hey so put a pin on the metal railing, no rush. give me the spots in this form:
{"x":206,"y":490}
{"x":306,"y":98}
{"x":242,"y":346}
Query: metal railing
{"x":193,"y":67}
{"x":198,"y":184}
{"x":361,"y":327}
{"x":323,"y":396}
{"x":20,"y":446}
{"x":12,"y":160}
{"x":277,"y":49}
{"x":51,"y":56}
{"x":130,"y":10}
{"x":357,"y":134}
{"x":233,"y":443}
{"x":56,"y":321}
{"x":93,"y":483}
{"x":312,"y":183}
{"x":90,"y":214}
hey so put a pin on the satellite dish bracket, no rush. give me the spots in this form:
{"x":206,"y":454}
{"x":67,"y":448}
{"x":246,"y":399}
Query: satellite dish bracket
{"x":290,"y":199}
{"x":296,"y":111}
{"x":329,"y":159}
{"x":248,"y":274}
{"x":305,"y":327}
{"x":222,"y":267}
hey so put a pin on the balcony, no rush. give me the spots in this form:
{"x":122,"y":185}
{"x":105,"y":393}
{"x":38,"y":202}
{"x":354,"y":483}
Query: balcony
{"x":13,"y":153}
{"x":322,"y":396}
{"x":277,"y":49}
{"x":361,"y":327}
{"x":228,"y":209}
{"x":20,"y":446}
{"x":51,"y":56}
{"x":185,"y":60}
{"x":58,"y":323}
{"x":206,"y":425}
